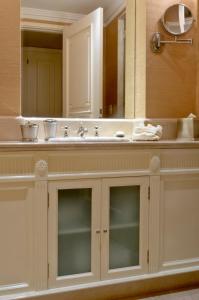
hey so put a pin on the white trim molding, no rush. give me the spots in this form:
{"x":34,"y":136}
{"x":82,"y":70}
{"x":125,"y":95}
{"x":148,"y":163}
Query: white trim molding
{"x":44,"y":27}
{"x":112,"y":12}
{"x":49,"y":15}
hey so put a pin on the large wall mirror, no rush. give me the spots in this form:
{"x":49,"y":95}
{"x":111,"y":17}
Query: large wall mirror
{"x":73,"y":58}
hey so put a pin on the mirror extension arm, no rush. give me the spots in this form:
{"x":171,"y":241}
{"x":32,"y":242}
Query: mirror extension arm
{"x":156,"y":42}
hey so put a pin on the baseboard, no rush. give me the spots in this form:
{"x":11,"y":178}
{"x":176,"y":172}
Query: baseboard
{"x":130,"y":290}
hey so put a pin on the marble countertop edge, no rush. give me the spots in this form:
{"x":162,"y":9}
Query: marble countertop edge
{"x":45,"y":146}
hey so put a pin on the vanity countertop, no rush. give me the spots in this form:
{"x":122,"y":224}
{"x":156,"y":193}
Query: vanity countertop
{"x":61,"y":146}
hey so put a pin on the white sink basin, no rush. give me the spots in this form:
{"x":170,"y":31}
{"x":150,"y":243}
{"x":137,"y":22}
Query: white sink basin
{"x":96,"y":139}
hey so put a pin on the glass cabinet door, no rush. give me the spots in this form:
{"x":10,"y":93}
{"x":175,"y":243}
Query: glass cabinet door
{"x":74,"y":231}
{"x":75,"y":235}
{"x":125,"y":226}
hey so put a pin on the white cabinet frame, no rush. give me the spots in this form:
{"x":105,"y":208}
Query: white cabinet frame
{"x":100,"y":237}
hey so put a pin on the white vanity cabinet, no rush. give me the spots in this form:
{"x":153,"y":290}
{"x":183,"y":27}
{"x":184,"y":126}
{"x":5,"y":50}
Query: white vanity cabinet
{"x":179,"y":221}
{"x":98,"y":229}
{"x":79,"y":216}
{"x":17,"y":256}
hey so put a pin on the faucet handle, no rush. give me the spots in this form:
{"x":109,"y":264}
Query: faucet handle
{"x":65,"y":131}
{"x":96,"y":130}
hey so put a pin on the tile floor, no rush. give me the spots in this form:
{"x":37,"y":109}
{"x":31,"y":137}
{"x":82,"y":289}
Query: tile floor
{"x":186,"y":295}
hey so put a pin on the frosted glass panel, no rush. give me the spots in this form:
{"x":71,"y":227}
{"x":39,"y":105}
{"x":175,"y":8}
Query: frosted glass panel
{"x":74,"y":231}
{"x":124,"y":226}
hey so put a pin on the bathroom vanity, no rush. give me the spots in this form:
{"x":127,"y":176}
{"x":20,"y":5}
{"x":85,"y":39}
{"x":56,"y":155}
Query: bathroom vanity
{"x":84,"y":215}
{"x":79,"y":215}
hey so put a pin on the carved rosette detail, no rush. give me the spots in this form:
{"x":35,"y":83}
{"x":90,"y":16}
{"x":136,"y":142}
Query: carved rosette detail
{"x":155,"y":164}
{"x":41,"y":168}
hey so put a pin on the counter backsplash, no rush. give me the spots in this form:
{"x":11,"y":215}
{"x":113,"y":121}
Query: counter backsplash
{"x":172,"y":128}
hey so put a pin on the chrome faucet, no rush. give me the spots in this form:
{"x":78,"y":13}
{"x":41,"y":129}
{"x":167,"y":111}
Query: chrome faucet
{"x":82,"y":130}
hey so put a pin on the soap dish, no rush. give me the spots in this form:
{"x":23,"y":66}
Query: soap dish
{"x":120,"y":134}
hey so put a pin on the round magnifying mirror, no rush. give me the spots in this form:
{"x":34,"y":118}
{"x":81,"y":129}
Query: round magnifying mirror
{"x":177,"y":19}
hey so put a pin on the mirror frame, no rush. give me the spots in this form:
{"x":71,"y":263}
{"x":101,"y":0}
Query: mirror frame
{"x":164,"y":23}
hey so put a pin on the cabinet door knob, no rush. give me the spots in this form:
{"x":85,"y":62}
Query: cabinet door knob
{"x":105,"y":230}
{"x":98,"y":231}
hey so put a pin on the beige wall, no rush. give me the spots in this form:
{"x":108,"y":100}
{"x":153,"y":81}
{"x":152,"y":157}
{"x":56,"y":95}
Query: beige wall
{"x":9,"y":57}
{"x":197,"y":80}
{"x":171,"y":75}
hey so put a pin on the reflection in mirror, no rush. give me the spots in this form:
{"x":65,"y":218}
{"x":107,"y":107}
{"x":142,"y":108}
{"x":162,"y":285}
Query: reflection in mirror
{"x":41,"y":74}
{"x":177,"y":19}
{"x":63,"y":71}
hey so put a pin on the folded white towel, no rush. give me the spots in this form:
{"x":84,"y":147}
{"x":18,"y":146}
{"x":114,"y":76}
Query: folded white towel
{"x":147,"y":133}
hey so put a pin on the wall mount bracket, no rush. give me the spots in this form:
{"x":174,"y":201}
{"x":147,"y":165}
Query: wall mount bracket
{"x":156,"y":42}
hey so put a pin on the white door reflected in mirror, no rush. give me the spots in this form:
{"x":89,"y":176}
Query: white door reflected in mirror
{"x":82,"y":75}
{"x":82,"y":67}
